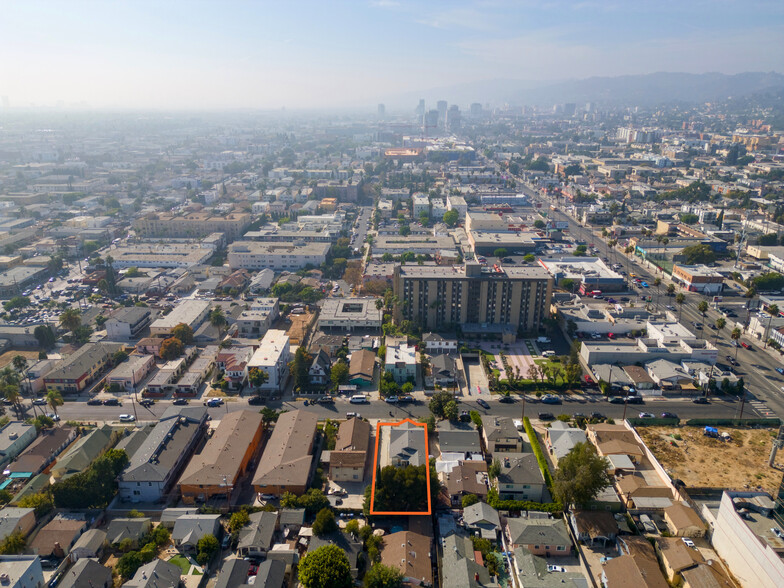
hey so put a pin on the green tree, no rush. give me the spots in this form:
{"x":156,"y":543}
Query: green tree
{"x":184,"y":333}
{"x":238,"y":520}
{"x":325,"y":567}
{"x":71,"y":319}
{"x":13,"y":544}
{"x":206,"y":548}
{"x":352,"y":527}
{"x":381,"y":576}
{"x":772,"y":310}
{"x":451,"y":217}
{"x":324,"y":523}
{"x":703,"y":308}
{"x":735,"y":336}
{"x":41,"y":502}
{"x":338,"y":374}
{"x":469,"y":499}
{"x":218,"y":320}
{"x":500,"y":252}
{"x":171,"y":348}
{"x":288,"y":500}
{"x":300,"y":366}
{"x":17,"y":302}
{"x":581,"y":475}
{"x":680,"y":298}
{"x":313,"y":501}
{"x":699,"y":254}
{"x":54,"y":399}
{"x":438,"y":403}
{"x":128,"y":564}
{"x":257,"y":379}
{"x":45,"y":336}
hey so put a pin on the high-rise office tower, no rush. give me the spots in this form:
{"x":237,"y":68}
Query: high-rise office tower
{"x":441,"y":107}
{"x":382,"y":111}
{"x":453,"y":118}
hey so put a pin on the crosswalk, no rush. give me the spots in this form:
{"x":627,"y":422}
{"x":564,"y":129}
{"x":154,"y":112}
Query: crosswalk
{"x":761,"y":408}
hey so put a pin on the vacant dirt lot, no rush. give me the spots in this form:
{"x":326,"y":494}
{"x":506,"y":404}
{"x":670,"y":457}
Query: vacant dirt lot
{"x":296,"y":326}
{"x":701,"y":461}
{"x":7,"y":357}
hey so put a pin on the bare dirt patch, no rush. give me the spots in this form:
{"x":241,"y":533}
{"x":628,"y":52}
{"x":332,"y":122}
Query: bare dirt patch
{"x":297,"y":326}
{"x":701,"y":461}
{"x":7,"y":357}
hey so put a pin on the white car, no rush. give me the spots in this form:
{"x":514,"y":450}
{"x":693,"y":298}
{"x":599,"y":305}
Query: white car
{"x":127,"y":418}
{"x":688,"y":542}
{"x":556,"y":568}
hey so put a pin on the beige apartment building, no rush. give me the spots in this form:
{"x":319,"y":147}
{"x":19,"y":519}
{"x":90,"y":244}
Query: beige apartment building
{"x":194,"y":225}
{"x":507,"y":300}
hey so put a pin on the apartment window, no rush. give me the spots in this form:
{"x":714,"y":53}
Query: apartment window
{"x":560,"y":548}
{"x":536,"y":547}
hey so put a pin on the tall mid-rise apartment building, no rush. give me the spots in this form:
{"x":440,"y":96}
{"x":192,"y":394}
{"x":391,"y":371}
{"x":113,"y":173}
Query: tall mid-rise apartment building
{"x":503,"y":300}
{"x":194,"y":225}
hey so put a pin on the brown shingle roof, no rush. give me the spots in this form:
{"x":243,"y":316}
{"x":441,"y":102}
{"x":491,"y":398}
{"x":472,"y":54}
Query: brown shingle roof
{"x":353,"y":435}
{"x":362,"y":363}
{"x":467,"y":477}
{"x":677,"y":555}
{"x":683,"y":516}
{"x":287,"y":458}
{"x":410,"y":553}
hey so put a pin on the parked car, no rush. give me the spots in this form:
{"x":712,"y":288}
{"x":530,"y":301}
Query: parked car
{"x":405,"y":399}
{"x":53,"y":416}
{"x":127,"y":418}
{"x":546,"y":416}
{"x":745,"y":345}
{"x":111,"y":402}
{"x":42,"y":402}
{"x":617,"y":400}
{"x":635,"y":400}
{"x":353,"y":415}
{"x":213,"y":402}
{"x":146,"y":402}
{"x":551,"y":399}
{"x":180,"y":401}
{"x":669,"y":415}
{"x":326,"y":400}
{"x":482,"y":403}
{"x":506,"y":399}
{"x":598,"y":416}
{"x":700,"y":400}
{"x":780,"y":370}
{"x":688,"y":542}
{"x":646,"y":415}
{"x":392,"y":399}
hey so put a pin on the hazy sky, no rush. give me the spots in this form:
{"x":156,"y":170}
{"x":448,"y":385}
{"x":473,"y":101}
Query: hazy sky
{"x":226,"y":54}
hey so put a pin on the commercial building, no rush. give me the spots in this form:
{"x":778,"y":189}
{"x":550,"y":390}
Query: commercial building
{"x":160,"y":255}
{"x":417,"y":244}
{"x":130,"y":373}
{"x":272,"y":356}
{"x":349,"y":314}
{"x":13,"y":281}
{"x":505,"y":301}
{"x":590,"y":272}
{"x":224,"y":459}
{"x":287,"y":462}
{"x":189,"y":312}
{"x":156,"y":465}
{"x":698,"y":278}
{"x":127,"y":323}
{"x":290,"y":256}
{"x":194,"y":225}
{"x":80,"y":369}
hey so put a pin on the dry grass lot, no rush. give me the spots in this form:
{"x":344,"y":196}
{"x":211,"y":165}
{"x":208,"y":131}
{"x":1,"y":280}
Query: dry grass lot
{"x":701,"y":461}
{"x":296,"y":326}
{"x":7,"y":357}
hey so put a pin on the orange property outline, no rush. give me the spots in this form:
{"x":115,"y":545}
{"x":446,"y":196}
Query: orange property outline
{"x":375,"y":467}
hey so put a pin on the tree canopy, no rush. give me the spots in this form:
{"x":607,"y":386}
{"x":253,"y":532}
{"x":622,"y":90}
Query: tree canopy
{"x":699,"y":254}
{"x":381,"y":576}
{"x":325,"y":567}
{"x":404,"y":488}
{"x":324,"y":523}
{"x":184,"y":333}
{"x":581,"y":475}
{"x":443,"y":405}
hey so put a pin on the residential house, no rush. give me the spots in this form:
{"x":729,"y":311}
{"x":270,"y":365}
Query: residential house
{"x":82,"y":453}
{"x":533,"y":571}
{"x":234,"y":573}
{"x":134,"y":529}
{"x":352,"y":444}
{"x":711,"y":574}
{"x":614,"y":440}
{"x":459,"y":438}
{"x":520,"y":478}
{"x":560,"y":439}
{"x":683,"y":521}
{"x":543,"y":537}
{"x":224,"y":459}
{"x":412,"y":554}
{"x":435,"y":343}
{"x":233,"y":363}
{"x":133,"y":440}
{"x":639,"y":377}
{"x":22,"y":571}
{"x":467,"y":477}
{"x":291,"y":520}
{"x":150,"y":345}
{"x":16,"y":519}
{"x":501,"y":435}
{"x":286,"y":464}
{"x":14,"y":438}
{"x":362,"y":367}
{"x":676,"y":556}
{"x":58,"y":535}
{"x":483,"y":519}
{"x":43,"y":451}
{"x":130,"y":373}
{"x":157,"y":464}
{"x":87,"y":572}
{"x":400,"y":361}
{"x":350,"y":547}
{"x":636,"y":491}
{"x":594,"y":527}
{"x":669,"y":375}
{"x":81,"y":368}
{"x":407,"y":445}
{"x":271,"y":573}
{"x":329,"y":344}
{"x":443,"y":371}
{"x":318,"y":373}
{"x":190,"y":528}
{"x":459,"y":565}
{"x":190,"y":312}
{"x":156,"y":574}
{"x":255,"y":538}
{"x":636,"y":566}
{"x":90,"y":544}
{"x":127,"y":323}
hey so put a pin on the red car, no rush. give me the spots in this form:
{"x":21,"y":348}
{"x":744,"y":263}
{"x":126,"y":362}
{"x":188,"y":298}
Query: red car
{"x":745,"y":345}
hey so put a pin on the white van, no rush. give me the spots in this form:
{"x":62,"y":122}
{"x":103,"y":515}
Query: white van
{"x":359,"y":399}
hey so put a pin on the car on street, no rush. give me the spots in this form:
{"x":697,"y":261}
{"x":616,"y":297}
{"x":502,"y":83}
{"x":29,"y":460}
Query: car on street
{"x":53,"y":416}
{"x":482,"y":403}
{"x":326,"y":400}
{"x":780,"y":370}
{"x":700,"y":400}
{"x":252,"y":401}
{"x":111,"y":402}
{"x":180,"y":401}
{"x":745,"y":345}
{"x":546,"y":416}
{"x":635,"y":400}
{"x":146,"y":402}
{"x":551,"y":399}
{"x":646,"y":415}
{"x":407,"y":398}
{"x":94,"y":402}
{"x":392,"y":399}
{"x":616,"y":400}
{"x":213,"y":402}
{"x":353,"y":415}
{"x":669,"y":415}
{"x":42,"y":402}
{"x":127,"y":418}
{"x":506,"y":399}
{"x":598,"y":416}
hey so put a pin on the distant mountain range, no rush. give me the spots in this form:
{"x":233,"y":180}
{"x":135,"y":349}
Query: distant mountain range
{"x":632,"y":90}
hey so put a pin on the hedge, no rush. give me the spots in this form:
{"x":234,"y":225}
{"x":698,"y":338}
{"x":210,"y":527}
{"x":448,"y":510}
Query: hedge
{"x":715,"y":422}
{"x":498,"y":504}
{"x":540,"y":458}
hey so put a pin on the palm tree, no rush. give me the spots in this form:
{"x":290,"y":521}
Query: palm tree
{"x":217,"y":319}
{"x":703,"y":308}
{"x":720,"y":324}
{"x":772,"y":310}
{"x":71,"y":319}
{"x":11,"y":393}
{"x":680,"y":298}
{"x":54,"y":399}
{"x":735,"y":336}
{"x":670,"y":289}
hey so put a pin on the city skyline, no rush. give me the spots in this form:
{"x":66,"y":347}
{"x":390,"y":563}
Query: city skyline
{"x":246,"y":55}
